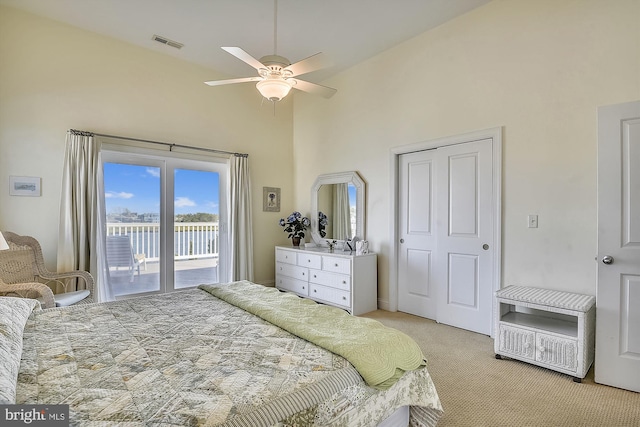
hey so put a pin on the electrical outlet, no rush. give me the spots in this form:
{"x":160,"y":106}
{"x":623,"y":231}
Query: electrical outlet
{"x":532,"y":221}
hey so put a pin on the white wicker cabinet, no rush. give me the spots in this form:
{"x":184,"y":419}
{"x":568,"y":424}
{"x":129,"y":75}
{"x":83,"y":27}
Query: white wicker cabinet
{"x":548,"y":328}
{"x":340,"y":279}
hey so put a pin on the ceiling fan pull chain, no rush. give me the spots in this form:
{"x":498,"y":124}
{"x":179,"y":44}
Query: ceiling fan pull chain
{"x":275,"y":27}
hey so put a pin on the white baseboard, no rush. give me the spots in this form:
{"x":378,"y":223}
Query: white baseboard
{"x":384,"y":305}
{"x":269,"y":283}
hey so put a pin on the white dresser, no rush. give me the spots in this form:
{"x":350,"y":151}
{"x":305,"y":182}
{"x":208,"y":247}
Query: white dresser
{"x":341,"y":279}
{"x":549,"y":328}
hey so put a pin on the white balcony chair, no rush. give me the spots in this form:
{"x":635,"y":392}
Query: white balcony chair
{"x":120,"y":255}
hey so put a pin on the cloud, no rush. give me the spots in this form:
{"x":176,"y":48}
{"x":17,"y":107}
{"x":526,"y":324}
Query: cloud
{"x":212,"y":205}
{"x":155,"y":172}
{"x":120,"y":195}
{"x":183,"y":202}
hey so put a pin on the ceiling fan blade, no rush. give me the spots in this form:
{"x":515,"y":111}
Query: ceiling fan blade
{"x":307,"y":65}
{"x":316,"y":89}
{"x":230,"y":81}
{"x":244,"y":56}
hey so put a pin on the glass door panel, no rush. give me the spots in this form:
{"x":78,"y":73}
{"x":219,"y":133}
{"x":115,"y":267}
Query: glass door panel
{"x":196,"y":227}
{"x":132,"y":205}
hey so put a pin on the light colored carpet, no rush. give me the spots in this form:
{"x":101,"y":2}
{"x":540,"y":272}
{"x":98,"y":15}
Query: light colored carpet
{"x":478,"y":390}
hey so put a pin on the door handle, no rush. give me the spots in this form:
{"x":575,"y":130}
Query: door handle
{"x":401,"y":240}
{"x":607,"y":259}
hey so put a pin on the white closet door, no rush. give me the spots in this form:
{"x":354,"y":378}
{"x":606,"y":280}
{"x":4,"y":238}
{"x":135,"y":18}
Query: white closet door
{"x":465,"y":235}
{"x":446,"y":231}
{"x":416,"y":293}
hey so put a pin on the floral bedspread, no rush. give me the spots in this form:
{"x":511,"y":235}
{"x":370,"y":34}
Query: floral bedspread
{"x":188,"y":358}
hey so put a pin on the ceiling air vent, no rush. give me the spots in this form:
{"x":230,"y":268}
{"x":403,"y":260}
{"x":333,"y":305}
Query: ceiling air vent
{"x":166,"y":41}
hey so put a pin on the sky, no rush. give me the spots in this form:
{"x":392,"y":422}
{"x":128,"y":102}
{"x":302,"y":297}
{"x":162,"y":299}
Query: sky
{"x":137,"y":188}
{"x":351,"y":189}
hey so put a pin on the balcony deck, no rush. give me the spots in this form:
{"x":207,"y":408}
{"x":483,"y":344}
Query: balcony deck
{"x":188,"y":273}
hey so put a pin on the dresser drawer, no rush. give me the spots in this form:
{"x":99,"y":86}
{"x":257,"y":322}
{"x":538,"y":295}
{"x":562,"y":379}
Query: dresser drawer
{"x":336,"y":265}
{"x":300,"y":287}
{"x":516,"y":341}
{"x":333,"y":280}
{"x":287,"y":257}
{"x":310,"y":260}
{"x":294,"y":271}
{"x":330,"y":295}
{"x":557,"y":351}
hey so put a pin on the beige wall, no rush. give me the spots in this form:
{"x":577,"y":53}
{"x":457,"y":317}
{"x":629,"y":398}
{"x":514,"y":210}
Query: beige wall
{"x":539,"y":69}
{"x":54,"y":77}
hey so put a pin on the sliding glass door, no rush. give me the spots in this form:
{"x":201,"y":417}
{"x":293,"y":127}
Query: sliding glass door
{"x":196,"y":227}
{"x":132,"y":204}
{"x":163,"y":217}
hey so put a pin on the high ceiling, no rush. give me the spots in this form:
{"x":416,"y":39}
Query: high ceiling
{"x":347,"y":31}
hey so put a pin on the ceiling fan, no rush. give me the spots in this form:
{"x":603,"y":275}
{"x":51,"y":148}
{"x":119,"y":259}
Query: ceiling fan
{"x":276,"y":73}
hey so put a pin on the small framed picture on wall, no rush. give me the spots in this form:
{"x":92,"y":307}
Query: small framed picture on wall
{"x":24,"y":186}
{"x":270,"y":199}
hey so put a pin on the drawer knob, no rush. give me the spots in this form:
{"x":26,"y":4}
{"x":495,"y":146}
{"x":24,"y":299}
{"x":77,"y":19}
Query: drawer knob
{"x":315,"y":290}
{"x":303,"y":287}
{"x":314,"y":276}
{"x":344,"y":298}
{"x":308,"y":260}
{"x":303,"y":274}
{"x":344,"y":282}
{"x":336,"y":265}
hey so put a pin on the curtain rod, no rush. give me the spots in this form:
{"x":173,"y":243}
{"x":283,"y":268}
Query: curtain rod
{"x":167,"y":144}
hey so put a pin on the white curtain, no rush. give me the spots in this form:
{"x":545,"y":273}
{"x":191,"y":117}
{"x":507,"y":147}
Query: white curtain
{"x":240,"y":260}
{"x":81,"y":243}
{"x":341,"y":212}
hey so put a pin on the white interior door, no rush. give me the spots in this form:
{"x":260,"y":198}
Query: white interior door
{"x":617,"y":361}
{"x":446,"y":234}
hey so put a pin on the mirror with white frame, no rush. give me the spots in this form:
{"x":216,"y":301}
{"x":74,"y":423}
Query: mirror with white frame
{"x":340,"y":198}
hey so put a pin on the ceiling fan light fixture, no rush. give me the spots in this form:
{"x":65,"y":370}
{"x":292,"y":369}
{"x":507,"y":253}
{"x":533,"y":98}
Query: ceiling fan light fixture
{"x":274,"y":89}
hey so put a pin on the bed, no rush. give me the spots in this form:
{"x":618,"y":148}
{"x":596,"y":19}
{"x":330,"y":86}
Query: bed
{"x":238,"y":354}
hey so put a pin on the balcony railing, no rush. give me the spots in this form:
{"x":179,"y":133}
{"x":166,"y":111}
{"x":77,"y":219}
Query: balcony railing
{"x":192,"y":240}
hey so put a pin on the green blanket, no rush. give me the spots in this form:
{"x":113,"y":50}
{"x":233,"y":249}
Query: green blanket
{"x":380,"y":354}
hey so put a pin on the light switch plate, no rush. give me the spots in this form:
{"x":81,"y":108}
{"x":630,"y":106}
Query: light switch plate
{"x":532,"y":221}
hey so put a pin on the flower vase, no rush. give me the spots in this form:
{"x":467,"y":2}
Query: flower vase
{"x":295,"y":241}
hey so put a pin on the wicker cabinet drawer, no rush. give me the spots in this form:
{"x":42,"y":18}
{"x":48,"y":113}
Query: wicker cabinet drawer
{"x":333,"y":280}
{"x":330,"y":295}
{"x":516,"y":341}
{"x":557,"y":352}
{"x":545,"y":327}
